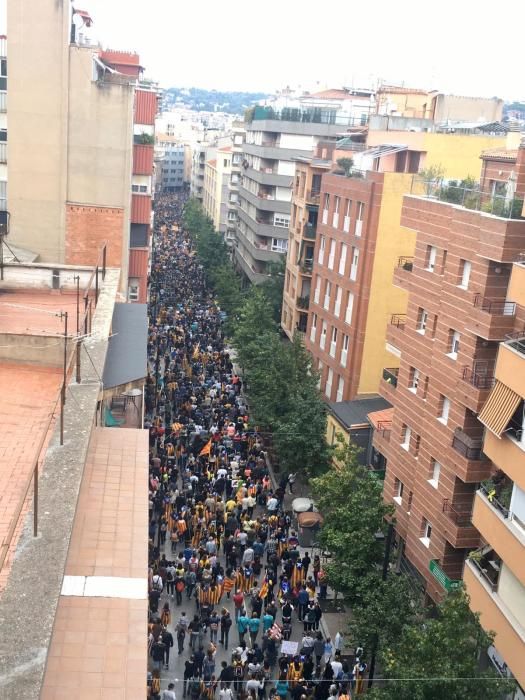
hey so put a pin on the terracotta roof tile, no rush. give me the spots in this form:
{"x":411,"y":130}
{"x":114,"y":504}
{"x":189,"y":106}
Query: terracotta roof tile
{"x":383,"y":416}
{"x":500,"y":154}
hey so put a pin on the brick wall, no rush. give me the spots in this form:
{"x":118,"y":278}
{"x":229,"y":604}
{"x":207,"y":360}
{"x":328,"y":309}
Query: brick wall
{"x":87,"y":228}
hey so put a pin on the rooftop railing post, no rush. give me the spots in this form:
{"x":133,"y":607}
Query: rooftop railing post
{"x":35,"y":500}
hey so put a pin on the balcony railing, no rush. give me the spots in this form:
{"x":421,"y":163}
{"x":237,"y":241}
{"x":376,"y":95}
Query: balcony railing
{"x":497,"y":308}
{"x":479,"y":377}
{"x":503,"y":206}
{"x":468,"y":447}
{"x":303,"y":302}
{"x":405,"y":263}
{"x":313,"y":115}
{"x":487,"y":564}
{"x":310,"y":231}
{"x":313,"y":196}
{"x":384,"y":428}
{"x":459,"y":513}
{"x":398,"y":320}
{"x":390,"y":375}
{"x":490,"y":494}
{"x":516,"y":341}
{"x":307,"y":266}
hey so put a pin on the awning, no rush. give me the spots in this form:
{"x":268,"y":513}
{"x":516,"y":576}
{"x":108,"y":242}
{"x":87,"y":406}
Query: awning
{"x":499,"y":408}
{"x":309,"y":519}
{"x":126,"y":359}
{"x":385,"y":149}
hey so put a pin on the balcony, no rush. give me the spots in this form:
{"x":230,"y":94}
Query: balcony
{"x":303,"y":302}
{"x":3,"y":152}
{"x":508,"y":454}
{"x":309,"y":231}
{"x":271,"y":151}
{"x":403,"y":271}
{"x":395,"y":330}
{"x":458,"y":527}
{"x":492,"y":319}
{"x":495,"y":615}
{"x":477,"y":381}
{"x":441,"y":577}
{"x":313,"y":197}
{"x":470,"y":462}
{"x":381,"y":437}
{"x":264,"y":201}
{"x":501,"y":528}
{"x":268,"y":176}
{"x":306,"y":267}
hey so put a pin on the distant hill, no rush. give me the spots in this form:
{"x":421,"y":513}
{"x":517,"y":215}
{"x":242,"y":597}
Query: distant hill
{"x":211,"y":100}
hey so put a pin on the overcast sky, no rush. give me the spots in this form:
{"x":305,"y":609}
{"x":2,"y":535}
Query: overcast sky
{"x":458,"y":46}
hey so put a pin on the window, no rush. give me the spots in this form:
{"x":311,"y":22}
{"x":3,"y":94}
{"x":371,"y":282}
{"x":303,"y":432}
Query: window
{"x":464,"y":273}
{"x":444,"y":409}
{"x":426,"y":529}
{"x":327,"y":293}
{"x":333,"y":343}
{"x":328,"y":386}
{"x":346,"y":222}
{"x":142,"y":189}
{"x":430,"y":258}
{"x":349,"y":308}
{"x":322,"y":339}
{"x":281,"y":221}
{"x":355,"y":262}
{"x":344,"y":350}
{"x":359,"y":218}
{"x":409,"y":504}
{"x":335,"y":217}
{"x":279,"y":245}
{"x":322,"y":246}
{"x":414,"y":380}
{"x":133,"y":291}
{"x":398,"y":491}
{"x":317,"y":290}
{"x":340,"y":389}
{"x":342,"y":259}
{"x":326,"y":207}
{"x":338,"y":296}
{"x":425,"y":389}
{"x":320,"y":370}
{"x":331,"y":255}
{"x":138,"y":235}
{"x":422,"y":318}
{"x":313,"y":328}
{"x":435,"y":471}
{"x":453,"y":344}
{"x":406,"y":434}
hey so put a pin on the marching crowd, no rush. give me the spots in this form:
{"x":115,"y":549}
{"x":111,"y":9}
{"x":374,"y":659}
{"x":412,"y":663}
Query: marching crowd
{"x":226,"y":570}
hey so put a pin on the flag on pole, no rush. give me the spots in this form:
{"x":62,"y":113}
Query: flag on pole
{"x":206,"y":449}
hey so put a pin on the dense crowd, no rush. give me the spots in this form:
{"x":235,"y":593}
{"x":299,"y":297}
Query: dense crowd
{"x":221,"y":544}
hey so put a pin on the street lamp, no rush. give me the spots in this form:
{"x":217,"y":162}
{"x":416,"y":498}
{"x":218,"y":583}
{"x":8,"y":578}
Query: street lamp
{"x":386,"y":560}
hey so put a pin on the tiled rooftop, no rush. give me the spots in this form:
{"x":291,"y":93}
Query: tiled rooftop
{"x":35,"y":312}
{"x":24,"y":413}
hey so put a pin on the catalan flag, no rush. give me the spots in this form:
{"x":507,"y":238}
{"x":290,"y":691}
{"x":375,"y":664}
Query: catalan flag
{"x":206,"y":449}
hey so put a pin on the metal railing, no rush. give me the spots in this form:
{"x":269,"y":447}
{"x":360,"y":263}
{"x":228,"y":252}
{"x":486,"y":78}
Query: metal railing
{"x":492,"y":306}
{"x":459,"y":513}
{"x":503,"y":206}
{"x":405,"y":263}
{"x":310,"y":230}
{"x":313,"y":196}
{"x":516,"y":341}
{"x":490,"y":495}
{"x":470,"y":448}
{"x":384,"y":428}
{"x":313,"y":115}
{"x":398,"y":320}
{"x":84,"y":322}
{"x":303,"y":302}
{"x":485,"y":569}
{"x":390,"y":375}
{"x":307,"y":267}
{"x":479,"y":377}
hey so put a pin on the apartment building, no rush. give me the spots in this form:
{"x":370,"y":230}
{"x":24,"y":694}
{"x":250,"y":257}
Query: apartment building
{"x":274,"y":138}
{"x":72,"y":191}
{"x":172,"y":168}
{"x":495,"y":574}
{"x":358,"y":243}
{"x":200,"y":153}
{"x":3,"y":133}
{"x":461,"y":305}
{"x":302,"y":237}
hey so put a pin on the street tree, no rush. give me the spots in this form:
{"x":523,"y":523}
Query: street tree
{"x":438,"y":658}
